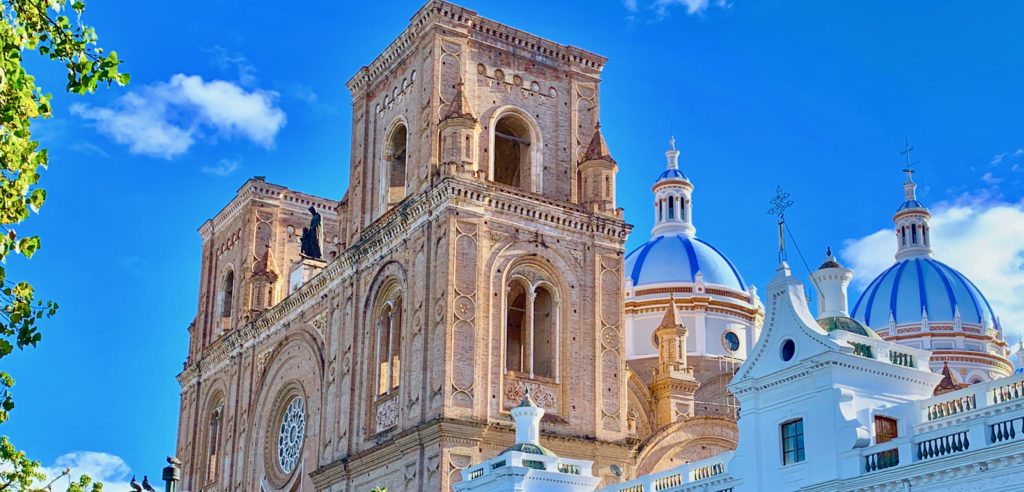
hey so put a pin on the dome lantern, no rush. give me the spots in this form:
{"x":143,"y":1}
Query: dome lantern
{"x":913,"y":233}
{"x":673,"y":212}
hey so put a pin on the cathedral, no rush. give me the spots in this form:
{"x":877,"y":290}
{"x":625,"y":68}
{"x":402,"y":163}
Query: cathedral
{"x":474,"y":275}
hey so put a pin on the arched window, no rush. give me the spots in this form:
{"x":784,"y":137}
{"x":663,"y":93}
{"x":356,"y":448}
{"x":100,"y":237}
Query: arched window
{"x":213,"y":442}
{"x":661,"y":209}
{"x":531,"y":329}
{"x":515,"y":321}
{"x":544,"y":336}
{"x":229,"y":293}
{"x":511,"y":151}
{"x":395,"y":160}
{"x":389,"y":345}
{"x":671,"y":207}
{"x":913,"y":234}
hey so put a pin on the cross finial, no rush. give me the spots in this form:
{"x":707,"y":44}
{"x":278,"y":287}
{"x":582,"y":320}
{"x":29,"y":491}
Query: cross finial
{"x":906,"y":153}
{"x":780,"y":203}
{"x":672,"y":142}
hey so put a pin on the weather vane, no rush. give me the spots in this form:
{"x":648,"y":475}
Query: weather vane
{"x":780,"y":203}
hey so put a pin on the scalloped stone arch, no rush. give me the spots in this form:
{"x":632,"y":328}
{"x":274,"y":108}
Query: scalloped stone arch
{"x":638,"y":409}
{"x":684,"y":441}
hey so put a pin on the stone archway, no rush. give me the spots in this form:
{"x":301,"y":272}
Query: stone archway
{"x":686,"y":441}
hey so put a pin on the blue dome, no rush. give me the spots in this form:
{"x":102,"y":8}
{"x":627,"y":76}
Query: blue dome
{"x":916,"y":283}
{"x":910,"y":204}
{"x":678,"y":258}
{"x":672,"y":174}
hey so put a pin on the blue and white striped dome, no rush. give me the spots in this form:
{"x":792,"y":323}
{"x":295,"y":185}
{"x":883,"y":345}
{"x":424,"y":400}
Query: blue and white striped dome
{"x":672,"y":174}
{"x":914,"y":284}
{"x":678,"y":258}
{"x":912,"y":203}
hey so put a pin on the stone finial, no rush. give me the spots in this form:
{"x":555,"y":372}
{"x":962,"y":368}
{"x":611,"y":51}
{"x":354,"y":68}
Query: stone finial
{"x":460,"y":107}
{"x":949,"y":382}
{"x":671,"y":318}
{"x":265,"y":264}
{"x":598,"y":149}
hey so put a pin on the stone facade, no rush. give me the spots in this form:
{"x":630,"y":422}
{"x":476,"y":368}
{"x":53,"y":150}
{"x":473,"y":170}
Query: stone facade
{"x":478,"y":252}
{"x":397,"y":362}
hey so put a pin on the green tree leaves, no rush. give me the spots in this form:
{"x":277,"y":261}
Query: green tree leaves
{"x":53,"y":29}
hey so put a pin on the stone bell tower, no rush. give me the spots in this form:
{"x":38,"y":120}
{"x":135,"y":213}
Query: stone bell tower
{"x":467,"y":266}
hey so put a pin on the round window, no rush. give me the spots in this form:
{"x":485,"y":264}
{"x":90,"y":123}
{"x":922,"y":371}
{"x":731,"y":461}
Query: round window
{"x":289,"y":440}
{"x":788,"y":350}
{"x":731,"y":341}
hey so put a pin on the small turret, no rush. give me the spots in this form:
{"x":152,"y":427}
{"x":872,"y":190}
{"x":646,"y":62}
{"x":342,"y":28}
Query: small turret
{"x":831,"y":281}
{"x":597,"y":176}
{"x":674,"y":385}
{"x":459,"y":131}
{"x":527,"y":416}
{"x":263,"y":282}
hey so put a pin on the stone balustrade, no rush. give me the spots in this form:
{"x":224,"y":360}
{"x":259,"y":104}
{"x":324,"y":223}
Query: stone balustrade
{"x":532,"y":461}
{"x":882,"y":351}
{"x":710,"y":475}
{"x":960,"y":422}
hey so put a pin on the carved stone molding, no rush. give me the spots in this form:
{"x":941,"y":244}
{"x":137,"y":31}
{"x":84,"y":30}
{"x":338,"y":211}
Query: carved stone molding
{"x":387,"y":415}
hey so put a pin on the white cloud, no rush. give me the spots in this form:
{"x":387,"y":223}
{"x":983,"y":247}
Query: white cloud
{"x":106,"y":468}
{"x":165,"y":119}
{"x":1018,"y":152}
{"x":990,"y":179}
{"x":693,"y":7}
{"x":226,"y":60}
{"x":225,"y":167}
{"x":1016,"y":167}
{"x":981,"y":238}
{"x":997,"y":159}
{"x":89,"y":148}
{"x":139,"y":123}
{"x":630,"y":5}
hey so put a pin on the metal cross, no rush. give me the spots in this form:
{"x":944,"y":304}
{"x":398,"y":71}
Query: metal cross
{"x":780,"y":203}
{"x":906,"y":152}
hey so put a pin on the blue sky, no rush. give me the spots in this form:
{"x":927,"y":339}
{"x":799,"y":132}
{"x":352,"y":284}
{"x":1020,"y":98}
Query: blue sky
{"x":814,"y":96}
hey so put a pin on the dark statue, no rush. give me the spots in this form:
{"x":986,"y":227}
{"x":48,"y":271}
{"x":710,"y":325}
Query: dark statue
{"x":312,"y":237}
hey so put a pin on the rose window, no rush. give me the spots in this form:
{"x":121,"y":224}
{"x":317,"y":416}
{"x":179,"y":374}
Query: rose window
{"x":289,"y":440}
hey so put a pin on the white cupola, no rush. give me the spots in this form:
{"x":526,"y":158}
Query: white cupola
{"x":913,"y":234}
{"x":673,"y":213}
{"x":527,"y":416}
{"x":831,"y":281}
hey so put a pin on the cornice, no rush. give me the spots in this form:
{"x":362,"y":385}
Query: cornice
{"x":983,"y":462}
{"x":259,"y":190}
{"x":382,"y":235}
{"x":460,"y":19}
{"x":826,"y":360}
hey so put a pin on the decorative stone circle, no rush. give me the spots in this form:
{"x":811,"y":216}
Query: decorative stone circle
{"x":293,"y":429}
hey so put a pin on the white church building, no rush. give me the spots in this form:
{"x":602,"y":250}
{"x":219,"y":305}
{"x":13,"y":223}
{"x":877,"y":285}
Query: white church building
{"x":826,"y":404}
